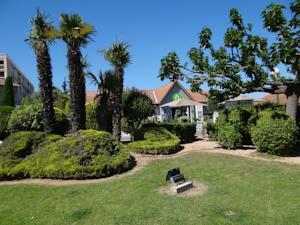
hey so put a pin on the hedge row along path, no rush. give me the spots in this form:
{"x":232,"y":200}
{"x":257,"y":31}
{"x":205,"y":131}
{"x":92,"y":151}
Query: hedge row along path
{"x":143,"y":160}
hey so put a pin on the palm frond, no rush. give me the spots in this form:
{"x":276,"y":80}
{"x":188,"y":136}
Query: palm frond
{"x":73,"y":29}
{"x":41,"y":30}
{"x":118,"y":54}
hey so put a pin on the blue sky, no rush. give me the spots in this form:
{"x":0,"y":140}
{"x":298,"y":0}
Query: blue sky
{"x":152,"y":28}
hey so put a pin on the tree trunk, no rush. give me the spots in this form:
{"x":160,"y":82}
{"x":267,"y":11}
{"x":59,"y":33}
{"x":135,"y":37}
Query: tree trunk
{"x":46,"y":87}
{"x":77,"y":89}
{"x":104,"y":113}
{"x":292,"y":94}
{"x":116,"y":120}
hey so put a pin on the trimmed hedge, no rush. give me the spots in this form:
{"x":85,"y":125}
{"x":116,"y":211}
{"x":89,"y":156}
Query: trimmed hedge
{"x":185,"y":131}
{"x":275,"y":133}
{"x":5,"y":112}
{"x":81,"y":155}
{"x":154,"y":140}
{"x":232,"y":127}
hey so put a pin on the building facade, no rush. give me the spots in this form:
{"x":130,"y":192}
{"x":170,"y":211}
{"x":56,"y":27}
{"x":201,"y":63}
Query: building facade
{"x":22,"y":86}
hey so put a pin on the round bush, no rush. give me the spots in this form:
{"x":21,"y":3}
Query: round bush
{"x":29,"y":118}
{"x":229,"y":136}
{"x":82,"y":155}
{"x":274,"y":133}
{"x":26,"y":118}
{"x":154,"y":140}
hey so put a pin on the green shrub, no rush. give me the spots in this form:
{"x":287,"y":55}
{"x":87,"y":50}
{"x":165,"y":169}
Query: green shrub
{"x":229,"y":136}
{"x":236,"y":121}
{"x":62,"y":123}
{"x":26,"y":118}
{"x":211,"y":130}
{"x":185,"y":130}
{"x":274,"y":133}
{"x":81,"y":155}
{"x":91,"y":121}
{"x":154,"y":140}
{"x":29,"y":118}
{"x":19,"y":145}
{"x":5,"y":112}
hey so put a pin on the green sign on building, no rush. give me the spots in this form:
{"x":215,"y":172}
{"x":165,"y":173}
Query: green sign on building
{"x":176,"y":96}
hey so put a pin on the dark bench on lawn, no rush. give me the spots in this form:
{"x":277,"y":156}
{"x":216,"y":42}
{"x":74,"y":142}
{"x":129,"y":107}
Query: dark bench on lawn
{"x":178,"y":181}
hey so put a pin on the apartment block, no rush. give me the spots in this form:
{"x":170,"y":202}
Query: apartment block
{"x":22,"y":86}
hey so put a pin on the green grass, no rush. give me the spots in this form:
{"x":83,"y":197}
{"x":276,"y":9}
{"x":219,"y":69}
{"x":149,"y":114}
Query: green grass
{"x":240,"y":191}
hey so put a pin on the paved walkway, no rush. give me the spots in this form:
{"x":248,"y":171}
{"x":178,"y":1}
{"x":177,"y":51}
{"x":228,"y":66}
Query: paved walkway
{"x":143,"y":160}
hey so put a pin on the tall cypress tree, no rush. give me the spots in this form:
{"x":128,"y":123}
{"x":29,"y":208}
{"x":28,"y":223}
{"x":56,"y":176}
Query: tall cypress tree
{"x":7,"y":96}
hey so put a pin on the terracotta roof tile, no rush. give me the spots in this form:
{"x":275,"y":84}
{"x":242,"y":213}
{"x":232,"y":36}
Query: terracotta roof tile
{"x":198,"y":97}
{"x":273,"y":98}
{"x":157,"y":95}
{"x":90,"y":96}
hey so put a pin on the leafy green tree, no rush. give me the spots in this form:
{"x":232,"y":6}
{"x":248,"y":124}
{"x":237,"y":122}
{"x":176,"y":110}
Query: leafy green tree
{"x":246,"y":62}
{"x":76,"y":34}
{"x":7,"y":94}
{"x":40,"y":36}
{"x":107,"y":83}
{"x":136,"y":108}
{"x":119,"y":57}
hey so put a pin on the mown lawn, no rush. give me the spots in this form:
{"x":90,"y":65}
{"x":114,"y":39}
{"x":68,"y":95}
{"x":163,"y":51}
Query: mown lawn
{"x":240,"y":191}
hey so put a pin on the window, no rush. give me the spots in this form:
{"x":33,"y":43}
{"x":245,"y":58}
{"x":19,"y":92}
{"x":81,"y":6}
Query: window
{"x":1,"y":74}
{"x":1,"y":62}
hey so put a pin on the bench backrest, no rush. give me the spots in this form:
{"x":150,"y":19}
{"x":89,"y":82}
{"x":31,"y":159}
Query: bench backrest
{"x":172,"y":173}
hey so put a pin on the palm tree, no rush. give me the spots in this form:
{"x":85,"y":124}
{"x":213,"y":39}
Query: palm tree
{"x":42,"y":34}
{"x":76,"y":34}
{"x":119,"y":57}
{"x":107,"y":84}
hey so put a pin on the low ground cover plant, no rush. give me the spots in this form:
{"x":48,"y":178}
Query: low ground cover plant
{"x":81,"y":155}
{"x":154,"y":140}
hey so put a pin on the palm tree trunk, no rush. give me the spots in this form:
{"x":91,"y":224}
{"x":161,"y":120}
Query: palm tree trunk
{"x":77,"y":89}
{"x":116,"y":120}
{"x":45,"y":78}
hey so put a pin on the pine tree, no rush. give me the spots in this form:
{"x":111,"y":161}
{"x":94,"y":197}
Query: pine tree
{"x":7,"y":95}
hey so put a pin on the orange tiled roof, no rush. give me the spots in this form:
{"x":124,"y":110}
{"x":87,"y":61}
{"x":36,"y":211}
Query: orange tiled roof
{"x":90,"y":96}
{"x":198,"y":97}
{"x":157,"y":95}
{"x":273,"y":98}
